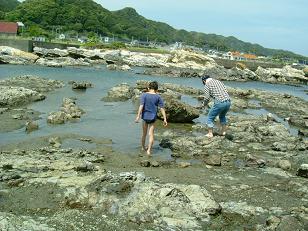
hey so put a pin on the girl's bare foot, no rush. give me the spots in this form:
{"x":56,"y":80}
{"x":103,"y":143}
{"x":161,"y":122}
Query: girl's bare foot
{"x":149,"y":152}
{"x":209,"y":135}
{"x":144,"y":148}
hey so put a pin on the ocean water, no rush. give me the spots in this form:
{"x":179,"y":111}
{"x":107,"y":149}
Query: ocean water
{"x":113,"y":120}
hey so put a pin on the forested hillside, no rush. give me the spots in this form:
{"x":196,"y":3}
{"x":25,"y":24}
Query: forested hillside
{"x":84,"y":16}
{"x":6,"y":6}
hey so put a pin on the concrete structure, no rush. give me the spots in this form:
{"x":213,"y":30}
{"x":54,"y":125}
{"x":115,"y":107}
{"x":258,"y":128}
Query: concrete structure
{"x":24,"y":45}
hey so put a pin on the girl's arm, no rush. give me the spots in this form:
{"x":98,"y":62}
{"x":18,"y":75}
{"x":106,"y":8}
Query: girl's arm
{"x":139,"y":113}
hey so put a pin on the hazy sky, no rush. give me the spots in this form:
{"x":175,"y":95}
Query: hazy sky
{"x":281,"y":24}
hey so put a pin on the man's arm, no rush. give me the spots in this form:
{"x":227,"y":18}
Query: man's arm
{"x":206,"y":96}
{"x":163,"y":112}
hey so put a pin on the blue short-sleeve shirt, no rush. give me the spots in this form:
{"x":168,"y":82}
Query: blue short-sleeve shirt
{"x":150,"y":103}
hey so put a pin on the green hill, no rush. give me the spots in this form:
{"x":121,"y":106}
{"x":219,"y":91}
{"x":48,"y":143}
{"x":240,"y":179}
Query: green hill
{"x":6,"y":6}
{"x":83,"y":16}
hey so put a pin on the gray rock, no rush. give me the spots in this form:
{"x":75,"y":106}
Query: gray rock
{"x":15,"y":96}
{"x":81,"y":85}
{"x":214,"y":160}
{"x":69,"y":112}
{"x":12,"y":222}
{"x":289,"y":223}
{"x":285,"y":164}
{"x":31,"y":126}
{"x":303,"y":171}
{"x":121,"y":92}
{"x":145,"y":163}
{"x":179,"y":112}
{"x":16,"y":56}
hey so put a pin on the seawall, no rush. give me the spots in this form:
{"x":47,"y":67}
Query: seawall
{"x":28,"y":45}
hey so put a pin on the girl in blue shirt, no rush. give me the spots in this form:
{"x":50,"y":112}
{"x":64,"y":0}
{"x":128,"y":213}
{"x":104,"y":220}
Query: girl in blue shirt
{"x":149,"y":102}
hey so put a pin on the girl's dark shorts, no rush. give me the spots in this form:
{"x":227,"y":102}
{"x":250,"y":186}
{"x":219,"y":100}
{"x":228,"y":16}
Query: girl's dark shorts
{"x":149,"y":121}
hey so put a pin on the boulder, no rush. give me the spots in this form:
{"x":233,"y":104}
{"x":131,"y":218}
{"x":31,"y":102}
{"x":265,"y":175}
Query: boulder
{"x":284,"y":164}
{"x":15,"y":96}
{"x":15,"y":56}
{"x":31,"y":126}
{"x":214,"y":160}
{"x":69,"y":112}
{"x":115,"y":67}
{"x":81,"y":85}
{"x":303,"y":171}
{"x":178,"y":111}
{"x":56,"y":52}
{"x":121,"y":92}
{"x":282,"y":75}
{"x":32,"y":82}
{"x":62,"y":61}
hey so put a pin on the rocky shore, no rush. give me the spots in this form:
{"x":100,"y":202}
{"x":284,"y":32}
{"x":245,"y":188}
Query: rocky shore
{"x":179,"y":63}
{"x":254,"y":178}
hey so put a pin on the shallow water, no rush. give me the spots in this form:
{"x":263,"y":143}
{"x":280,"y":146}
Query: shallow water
{"x":113,"y":120}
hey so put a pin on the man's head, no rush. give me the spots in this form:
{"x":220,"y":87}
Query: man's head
{"x":204,"y":78}
{"x":153,"y":85}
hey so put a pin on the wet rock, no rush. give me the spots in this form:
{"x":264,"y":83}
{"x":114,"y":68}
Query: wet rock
{"x":252,"y":161}
{"x":272,"y":222}
{"x":56,"y":52}
{"x":85,"y":167}
{"x":34,"y":83}
{"x":270,"y":118}
{"x":55,"y":142}
{"x":81,"y":85}
{"x":284,"y":164}
{"x":31,"y":126}
{"x":239,"y":74}
{"x":115,"y":67}
{"x":4,"y":109}
{"x":289,"y":223}
{"x":241,"y":209}
{"x":191,"y":60}
{"x":15,"y":96}
{"x":282,"y":147}
{"x":179,"y":112}
{"x":214,"y":160}
{"x":303,"y":170}
{"x":9,"y":221}
{"x":184,"y":164}
{"x":145,"y":163}
{"x":56,"y":117}
{"x":69,"y":112}
{"x":62,"y":61}
{"x":281,"y":75}
{"x":16,"y":56}
{"x":121,"y":92}
{"x":181,"y":89}
{"x":7,"y":167}
{"x":155,"y":164}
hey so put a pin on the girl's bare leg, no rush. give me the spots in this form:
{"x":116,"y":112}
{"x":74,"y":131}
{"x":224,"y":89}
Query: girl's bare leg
{"x":151,"y":138}
{"x":144,"y":135}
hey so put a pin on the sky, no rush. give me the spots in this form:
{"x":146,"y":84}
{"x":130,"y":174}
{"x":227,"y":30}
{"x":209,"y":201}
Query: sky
{"x":278,"y":24}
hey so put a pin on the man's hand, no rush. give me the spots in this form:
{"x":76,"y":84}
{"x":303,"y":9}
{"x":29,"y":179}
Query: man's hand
{"x":137,"y":119}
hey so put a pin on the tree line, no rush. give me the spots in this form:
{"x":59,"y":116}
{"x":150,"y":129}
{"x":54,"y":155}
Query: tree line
{"x":77,"y":17}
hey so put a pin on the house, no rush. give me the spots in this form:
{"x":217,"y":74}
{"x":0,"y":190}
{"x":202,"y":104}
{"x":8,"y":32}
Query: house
{"x":8,"y":28}
{"x":106,"y":39}
{"x":249,"y":56}
{"x":62,"y":36}
{"x":39,"y":39}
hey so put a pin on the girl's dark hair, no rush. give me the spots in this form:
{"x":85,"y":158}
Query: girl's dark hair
{"x":153,"y":85}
